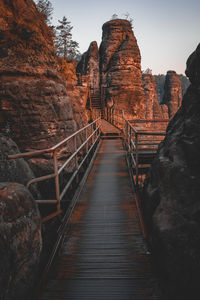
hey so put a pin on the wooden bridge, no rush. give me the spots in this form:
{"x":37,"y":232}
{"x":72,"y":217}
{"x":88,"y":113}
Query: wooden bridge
{"x":103,"y":253}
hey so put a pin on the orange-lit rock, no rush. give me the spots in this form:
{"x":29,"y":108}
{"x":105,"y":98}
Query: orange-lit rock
{"x":35,"y":106}
{"x":153,"y":109}
{"x":120,"y":67}
{"x":89,"y":65}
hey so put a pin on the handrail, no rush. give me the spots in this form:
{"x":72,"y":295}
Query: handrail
{"x":149,"y":120}
{"x":92,"y":135}
{"x":137,"y":139}
{"x":50,"y":150}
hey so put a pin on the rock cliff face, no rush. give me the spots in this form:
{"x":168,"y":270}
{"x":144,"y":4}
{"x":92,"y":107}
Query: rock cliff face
{"x":153,"y":109}
{"x":172,"y":192}
{"x":172,"y":93}
{"x":120,"y":67}
{"x":35,"y":107}
{"x":89,"y":65}
{"x":20,"y":240}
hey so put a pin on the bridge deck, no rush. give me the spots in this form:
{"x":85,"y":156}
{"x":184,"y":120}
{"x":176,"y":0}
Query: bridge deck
{"x":103,"y":255}
{"x":108,"y":129}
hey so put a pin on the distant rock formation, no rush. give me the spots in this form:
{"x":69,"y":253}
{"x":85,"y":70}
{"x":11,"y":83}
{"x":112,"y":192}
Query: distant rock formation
{"x":115,"y":70}
{"x":172,"y":192}
{"x":160,"y":82}
{"x":35,"y":106}
{"x":172,"y":93}
{"x":153,"y":109}
{"x":20,"y":240}
{"x":89,"y":65}
{"x":120,"y":67}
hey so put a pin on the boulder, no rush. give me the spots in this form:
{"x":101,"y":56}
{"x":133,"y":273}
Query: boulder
{"x":15,"y":170}
{"x":20,"y":242}
{"x":172,"y":192}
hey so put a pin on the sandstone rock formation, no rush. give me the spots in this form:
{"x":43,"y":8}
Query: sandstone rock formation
{"x":14,"y":170}
{"x":89,"y":65}
{"x":153,"y":109}
{"x":172,"y":192}
{"x":35,"y":107}
{"x":120,"y":67}
{"x":172,"y":93}
{"x":164,"y":109}
{"x":20,"y":241}
{"x":119,"y":63}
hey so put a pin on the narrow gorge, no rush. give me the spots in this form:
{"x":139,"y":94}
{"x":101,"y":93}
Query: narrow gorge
{"x":124,"y":110}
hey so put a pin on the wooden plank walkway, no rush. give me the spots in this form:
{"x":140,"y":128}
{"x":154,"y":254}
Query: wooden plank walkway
{"x":103,"y":255}
{"x":108,"y":129}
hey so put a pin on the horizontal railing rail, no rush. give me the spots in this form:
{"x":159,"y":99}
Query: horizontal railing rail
{"x":141,"y":136}
{"x":90,"y":135}
{"x":142,"y":142}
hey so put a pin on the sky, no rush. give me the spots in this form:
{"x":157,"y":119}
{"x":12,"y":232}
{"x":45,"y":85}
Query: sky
{"x":167,"y":32}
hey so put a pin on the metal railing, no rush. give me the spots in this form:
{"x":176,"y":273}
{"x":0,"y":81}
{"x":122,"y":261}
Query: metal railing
{"x":141,"y":136}
{"x":114,"y":116}
{"x":90,"y":134}
{"x":143,"y":141}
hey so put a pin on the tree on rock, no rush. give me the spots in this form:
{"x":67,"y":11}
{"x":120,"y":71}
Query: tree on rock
{"x":46,"y":9}
{"x":66,"y":47}
{"x":147,"y":71}
{"x":114,"y":17}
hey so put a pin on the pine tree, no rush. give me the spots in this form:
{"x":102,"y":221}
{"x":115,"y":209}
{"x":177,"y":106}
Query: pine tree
{"x":66,"y":47}
{"x":46,"y":9}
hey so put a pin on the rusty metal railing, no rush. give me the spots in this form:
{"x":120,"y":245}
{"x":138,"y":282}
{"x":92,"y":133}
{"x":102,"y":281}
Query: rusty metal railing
{"x":142,"y":138}
{"x":91,"y":134}
{"x":114,"y":116}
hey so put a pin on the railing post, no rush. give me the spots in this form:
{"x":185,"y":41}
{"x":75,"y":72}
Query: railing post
{"x":55,"y":162}
{"x":130,"y":138}
{"x":86,"y":136}
{"x":75,"y":148}
{"x":126,"y":130}
{"x":136,"y":157}
{"x":111,"y":115}
{"x":99,"y":131}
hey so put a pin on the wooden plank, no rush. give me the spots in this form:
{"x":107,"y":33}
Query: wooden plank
{"x":104,"y":255}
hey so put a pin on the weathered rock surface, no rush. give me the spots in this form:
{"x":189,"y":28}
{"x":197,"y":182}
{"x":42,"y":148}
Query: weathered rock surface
{"x":20,"y":241}
{"x":89,"y":65}
{"x":120,"y":67}
{"x":153,"y":109}
{"x":172,"y":192}
{"x":172,"y":93}
{"x":164,"y":109}
{"x":14,"y":170}
{"x":35,"y":107}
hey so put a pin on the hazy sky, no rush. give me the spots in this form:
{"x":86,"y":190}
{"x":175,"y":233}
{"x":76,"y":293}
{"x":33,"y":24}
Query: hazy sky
{"x":166,"y":31}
